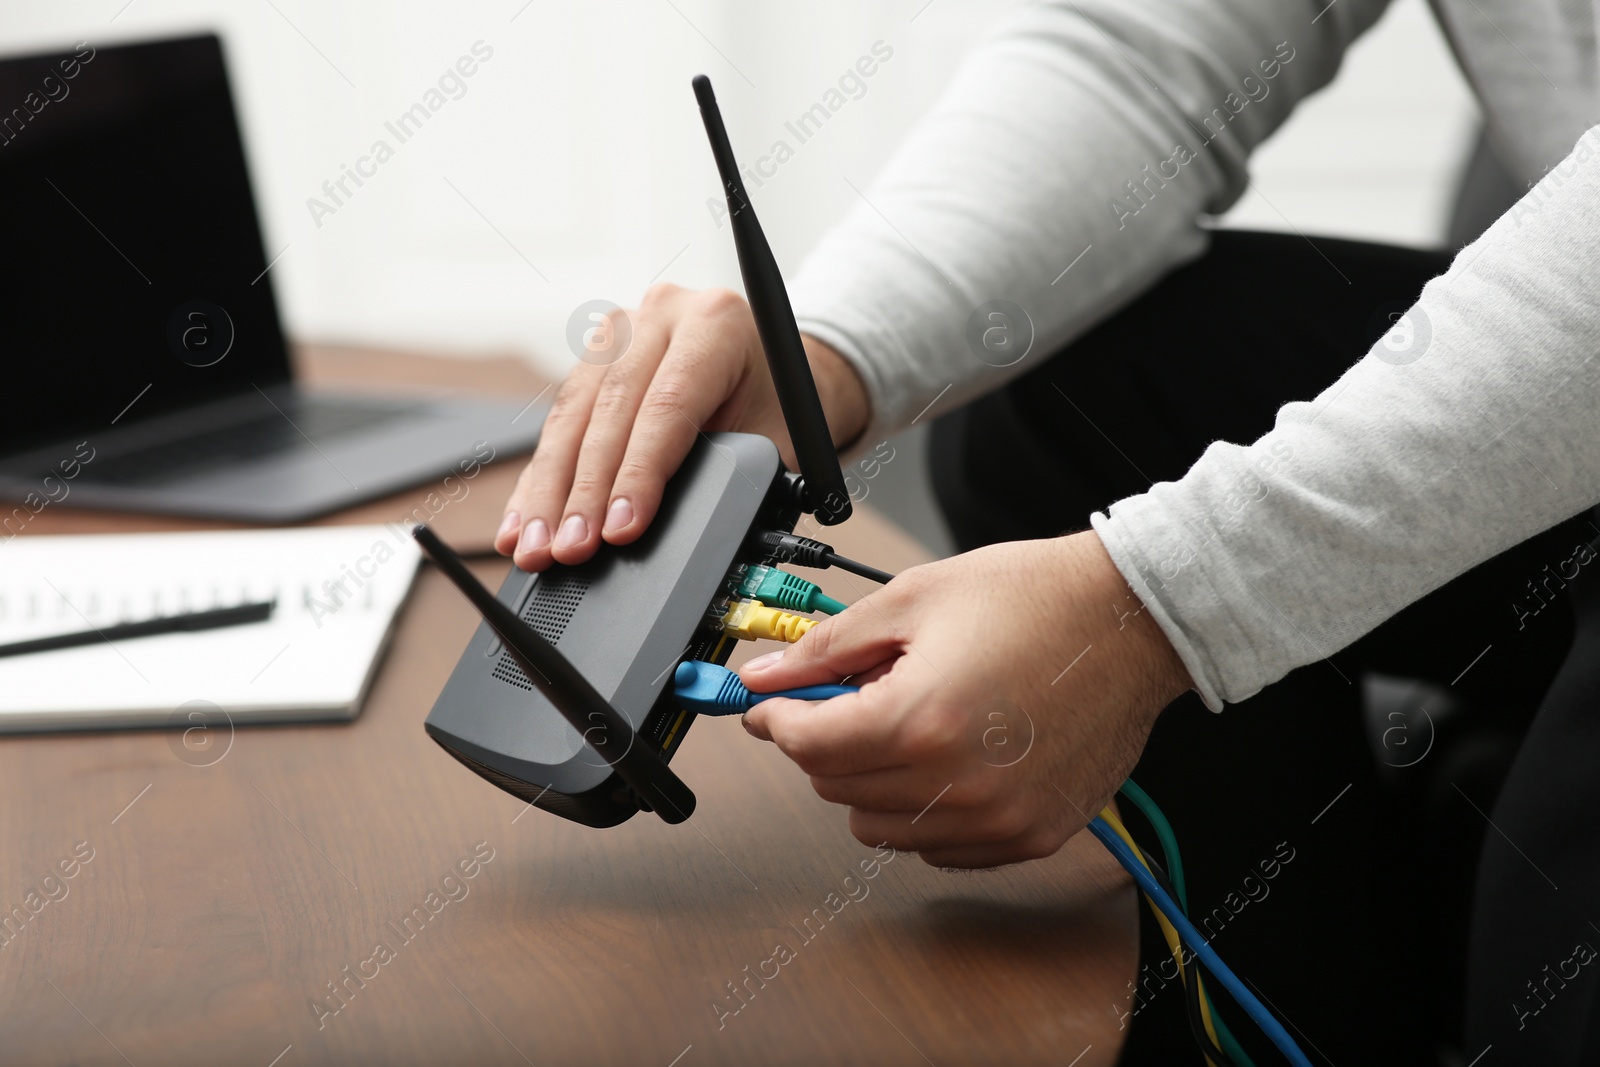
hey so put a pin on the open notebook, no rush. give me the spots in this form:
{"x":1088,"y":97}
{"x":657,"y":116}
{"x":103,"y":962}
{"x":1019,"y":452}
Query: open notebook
{"x":337,"y":588}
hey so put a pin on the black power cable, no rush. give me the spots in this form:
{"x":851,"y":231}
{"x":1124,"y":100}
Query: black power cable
{"x":861,"y":569}
{"x":803,"y":551}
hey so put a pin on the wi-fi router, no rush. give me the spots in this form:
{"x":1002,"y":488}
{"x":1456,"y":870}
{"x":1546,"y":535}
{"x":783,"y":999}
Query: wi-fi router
{"x":564,"y":698}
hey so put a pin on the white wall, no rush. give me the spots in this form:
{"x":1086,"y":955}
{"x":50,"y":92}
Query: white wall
{"x":1377,"y":154}
{"x":580,"y":144}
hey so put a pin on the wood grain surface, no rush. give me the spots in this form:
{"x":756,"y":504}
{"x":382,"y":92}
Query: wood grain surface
{"x":218,"y":914}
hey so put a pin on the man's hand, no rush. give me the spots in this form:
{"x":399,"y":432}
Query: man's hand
{"x":1005,"y":695}
{"x":616,"y":433}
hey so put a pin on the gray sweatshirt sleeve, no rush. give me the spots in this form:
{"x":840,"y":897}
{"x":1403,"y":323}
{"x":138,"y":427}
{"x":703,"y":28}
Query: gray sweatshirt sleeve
{"x":1084,"y":134}
{"x":1470,"y":427}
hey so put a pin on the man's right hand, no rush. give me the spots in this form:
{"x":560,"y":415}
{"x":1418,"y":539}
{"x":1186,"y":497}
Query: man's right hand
{"x":616,"y":433}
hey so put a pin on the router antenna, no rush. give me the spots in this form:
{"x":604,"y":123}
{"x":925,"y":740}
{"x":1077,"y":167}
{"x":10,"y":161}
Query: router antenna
{"x":602,"y":726}
{"x":823,"y":490}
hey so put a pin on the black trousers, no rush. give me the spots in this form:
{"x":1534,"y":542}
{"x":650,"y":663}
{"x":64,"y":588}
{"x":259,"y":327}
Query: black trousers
{"x":1372,"y":831}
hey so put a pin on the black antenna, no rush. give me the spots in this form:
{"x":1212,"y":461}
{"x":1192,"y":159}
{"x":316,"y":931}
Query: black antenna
{"x":602,"y":726}
{"x":823,"y":490}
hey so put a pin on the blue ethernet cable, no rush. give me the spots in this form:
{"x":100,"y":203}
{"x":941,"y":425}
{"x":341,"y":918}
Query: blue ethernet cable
{"x":707,"y":689}
{"x":1174,"y":861}
{"x":1198,"y":944}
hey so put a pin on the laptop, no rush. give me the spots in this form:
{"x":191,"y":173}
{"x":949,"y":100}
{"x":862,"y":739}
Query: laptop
{"x":146,"y":367}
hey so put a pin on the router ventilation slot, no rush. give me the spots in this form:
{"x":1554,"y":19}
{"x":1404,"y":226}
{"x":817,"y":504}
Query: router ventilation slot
{"x":554,"y":600}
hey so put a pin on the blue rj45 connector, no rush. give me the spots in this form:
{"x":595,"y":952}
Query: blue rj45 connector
{"x":707,"y":689}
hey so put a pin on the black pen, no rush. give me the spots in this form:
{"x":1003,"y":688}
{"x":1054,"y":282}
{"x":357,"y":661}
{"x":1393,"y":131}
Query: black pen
{"x":211,"y":619}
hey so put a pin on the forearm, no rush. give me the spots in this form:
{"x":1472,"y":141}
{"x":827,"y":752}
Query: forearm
{"x":844,"y":396}
{"x":1095,"y":129}
{"x":1412,"y":468}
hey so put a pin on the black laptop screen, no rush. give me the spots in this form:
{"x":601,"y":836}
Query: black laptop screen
{"x":131,"y":267}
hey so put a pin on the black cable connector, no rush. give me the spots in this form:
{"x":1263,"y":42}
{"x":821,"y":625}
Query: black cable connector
{"x":792,"y":548}
{"x":804,"y":552}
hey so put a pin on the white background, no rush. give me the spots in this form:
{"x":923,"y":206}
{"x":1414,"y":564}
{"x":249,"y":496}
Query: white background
{"x":578,"y":152}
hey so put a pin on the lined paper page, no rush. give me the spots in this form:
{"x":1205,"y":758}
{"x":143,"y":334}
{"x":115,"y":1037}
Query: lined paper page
{"x":337,"y":591}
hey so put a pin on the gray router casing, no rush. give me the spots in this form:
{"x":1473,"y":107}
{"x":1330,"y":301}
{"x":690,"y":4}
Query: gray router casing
{"x":624,"y":619}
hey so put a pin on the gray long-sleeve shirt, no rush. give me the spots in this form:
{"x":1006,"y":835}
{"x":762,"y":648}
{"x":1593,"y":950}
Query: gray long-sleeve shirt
{"x":1066,"y":168}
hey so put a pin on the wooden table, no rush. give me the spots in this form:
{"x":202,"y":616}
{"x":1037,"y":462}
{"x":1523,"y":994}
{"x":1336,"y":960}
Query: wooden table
{"x":222,"y":904}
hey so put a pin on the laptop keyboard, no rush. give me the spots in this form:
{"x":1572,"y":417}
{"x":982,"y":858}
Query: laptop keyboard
{"x":319,"y":419}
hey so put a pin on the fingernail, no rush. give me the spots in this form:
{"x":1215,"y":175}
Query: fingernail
{"x":761,"y":663}
{"x":573,"y":532}
{"x":509,"y":523}
{"x":619,"y":516}
{"x":535,"y":536}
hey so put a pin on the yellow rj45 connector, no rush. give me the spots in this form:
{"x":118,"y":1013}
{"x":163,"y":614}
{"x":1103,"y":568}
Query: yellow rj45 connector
{"x":748,"y":620}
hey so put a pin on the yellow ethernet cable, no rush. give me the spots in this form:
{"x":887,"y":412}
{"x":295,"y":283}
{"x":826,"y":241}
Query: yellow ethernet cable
{"x":1167,"y":930}
{"x":748,"y":620}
